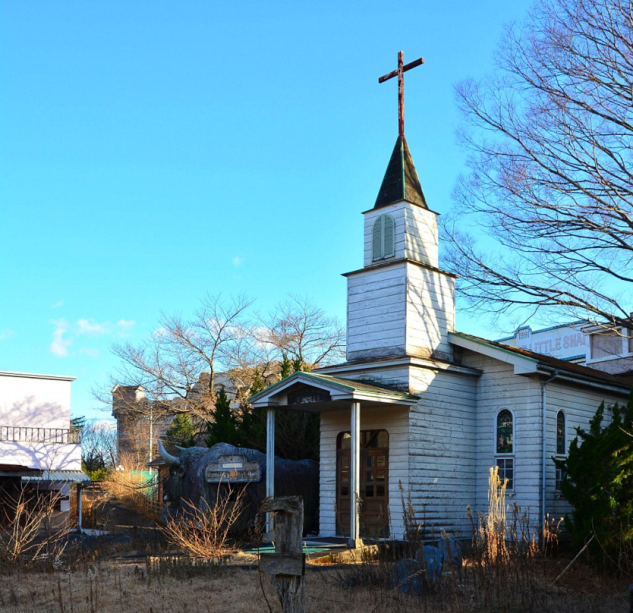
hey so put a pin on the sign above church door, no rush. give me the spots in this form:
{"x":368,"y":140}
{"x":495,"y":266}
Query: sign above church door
{"x":308,"y":394}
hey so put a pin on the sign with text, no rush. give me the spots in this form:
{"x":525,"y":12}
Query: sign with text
{"x":563,"y":342}
{"x":232,"y":469}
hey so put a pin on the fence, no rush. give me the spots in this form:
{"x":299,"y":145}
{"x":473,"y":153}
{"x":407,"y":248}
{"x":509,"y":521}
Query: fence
{"x":21,"y":434}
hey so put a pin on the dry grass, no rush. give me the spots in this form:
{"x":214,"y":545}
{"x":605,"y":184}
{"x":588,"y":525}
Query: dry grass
{"x":204,"y":531}
{"x":35,"y":531}
{"x":130,"y":589}
{"x":129,"y":484}
{"x":506,"y":572}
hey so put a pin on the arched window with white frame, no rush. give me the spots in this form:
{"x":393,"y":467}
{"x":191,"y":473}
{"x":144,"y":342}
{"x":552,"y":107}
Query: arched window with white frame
{"x":561,"y":438}
{"x":383,"y":238}
{"x":504,"y":446}
{"x":561,"y":446}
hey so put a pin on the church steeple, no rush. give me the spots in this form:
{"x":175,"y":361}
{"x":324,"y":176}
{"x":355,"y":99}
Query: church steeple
{"x":400,"y":303}
{"x":401,"y":179}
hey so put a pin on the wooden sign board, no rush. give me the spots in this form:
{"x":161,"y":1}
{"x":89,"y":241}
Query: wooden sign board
{"x":233,"y":469}
{"x":289,"y":564}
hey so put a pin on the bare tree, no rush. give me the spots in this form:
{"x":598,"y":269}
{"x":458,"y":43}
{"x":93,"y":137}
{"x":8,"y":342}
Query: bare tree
{"x":98,"y":444}
{"x":182,"y":366}
{"x":177,"y":367}
{"x":550,"y":136}
{"x":302,"y":332}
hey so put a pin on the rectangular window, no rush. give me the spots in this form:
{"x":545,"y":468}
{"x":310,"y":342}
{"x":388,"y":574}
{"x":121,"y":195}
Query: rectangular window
{"x":605,"y":345}
{"x":560,"y":475}
{"x":506,"y":471}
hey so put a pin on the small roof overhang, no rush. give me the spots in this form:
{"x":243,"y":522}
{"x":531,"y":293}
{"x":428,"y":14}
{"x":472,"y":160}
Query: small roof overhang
{"x":58,"y":476}
{"x":17,"y":470}
{"x":315,"y":393}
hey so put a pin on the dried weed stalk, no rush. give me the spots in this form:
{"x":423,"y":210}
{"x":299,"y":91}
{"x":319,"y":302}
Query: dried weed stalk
{"x":204,"y":531}
{"x":33,"y":530}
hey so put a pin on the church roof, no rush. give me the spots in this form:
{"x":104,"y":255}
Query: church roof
{"x":339,"y":388}
{"x":547,"y":360}
{"x":401,"y":179}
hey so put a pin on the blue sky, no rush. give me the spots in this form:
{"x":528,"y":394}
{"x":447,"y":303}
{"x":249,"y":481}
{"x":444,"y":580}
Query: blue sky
{"x":153,"y":152}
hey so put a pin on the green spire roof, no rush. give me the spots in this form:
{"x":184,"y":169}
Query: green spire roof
{"x":401,"y":180}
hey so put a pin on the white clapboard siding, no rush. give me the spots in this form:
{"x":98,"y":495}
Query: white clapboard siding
{"x":421,"y":239}
{"x":415,"y":236}
{"x":442,"y":449}
{"x":395,"y":421}
{"x":499,"y":388}
{"x":376,"y":312}
{"x":579,"y":405}
{"x":396,"y":212}
{"x":430,"y":311}
{"x":403,"y":308}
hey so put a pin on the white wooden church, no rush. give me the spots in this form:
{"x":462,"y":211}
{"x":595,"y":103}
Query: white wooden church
{"x":420,"y":410}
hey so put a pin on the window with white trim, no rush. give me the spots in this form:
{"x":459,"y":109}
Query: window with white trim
{"x":561,"y":446}
{"x":504,"y":446}
{"x":561,"y":438}
{"x":383,"y":238}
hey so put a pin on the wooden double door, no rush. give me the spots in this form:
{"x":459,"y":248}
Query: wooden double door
{"x":374,"y":483}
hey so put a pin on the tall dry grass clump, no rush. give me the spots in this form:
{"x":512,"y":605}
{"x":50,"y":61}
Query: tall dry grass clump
{"x":33,"y":530}
{"x":203,"y":531}
{"x":133,"y":485}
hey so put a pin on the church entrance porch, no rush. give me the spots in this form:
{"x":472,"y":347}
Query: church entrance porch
{"x":366,"y":456}
{"x":374,"y":483}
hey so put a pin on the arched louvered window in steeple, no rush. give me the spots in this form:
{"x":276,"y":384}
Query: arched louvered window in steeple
{"x":383,"y":238}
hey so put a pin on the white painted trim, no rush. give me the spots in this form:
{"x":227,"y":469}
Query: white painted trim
{"x":397,"y":363}
{"x":354,"y":532}
{"x":27,"y":375}
{"x":522,"y":364}
{"x":494,"y":432}
{"x":564,"y":454}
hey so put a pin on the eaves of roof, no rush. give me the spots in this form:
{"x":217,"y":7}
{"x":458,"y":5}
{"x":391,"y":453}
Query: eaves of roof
{"x":549,"y":362}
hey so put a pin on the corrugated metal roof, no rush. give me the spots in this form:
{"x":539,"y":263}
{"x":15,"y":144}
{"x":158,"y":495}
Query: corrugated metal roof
{"x":68,"y":476}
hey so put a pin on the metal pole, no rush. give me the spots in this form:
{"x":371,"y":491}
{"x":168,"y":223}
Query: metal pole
{"x":270,"y":462}
{"x":151,"y":433}
{"x":543,"y":492}
{"x":354,"y":532}
{"x":79,"y":510}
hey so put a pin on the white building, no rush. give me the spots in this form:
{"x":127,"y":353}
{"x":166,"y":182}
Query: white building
{"x":420,"y":409}
{"x":579,"y":342}
{"x":38,"y":447}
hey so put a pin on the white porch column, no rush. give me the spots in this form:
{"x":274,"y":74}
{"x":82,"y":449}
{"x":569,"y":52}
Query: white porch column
{"x":270,"y":461}
{"x":354,"y":530}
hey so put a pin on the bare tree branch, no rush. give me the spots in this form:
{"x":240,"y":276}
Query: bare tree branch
{"x":551,"y":182}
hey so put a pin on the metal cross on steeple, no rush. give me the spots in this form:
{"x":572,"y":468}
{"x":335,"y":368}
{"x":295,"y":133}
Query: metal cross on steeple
{"x":400,"y":73}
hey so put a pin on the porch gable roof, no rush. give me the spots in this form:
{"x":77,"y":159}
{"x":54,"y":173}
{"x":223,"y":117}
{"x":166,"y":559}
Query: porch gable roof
{"x":339,"y":389}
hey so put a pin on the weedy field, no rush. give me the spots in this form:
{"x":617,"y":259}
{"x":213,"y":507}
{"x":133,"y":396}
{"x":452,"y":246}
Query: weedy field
{"x":191,"y":566}
{"x":366,"y":587}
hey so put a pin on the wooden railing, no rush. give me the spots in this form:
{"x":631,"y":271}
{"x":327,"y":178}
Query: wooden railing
{"x":22,"y":434}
